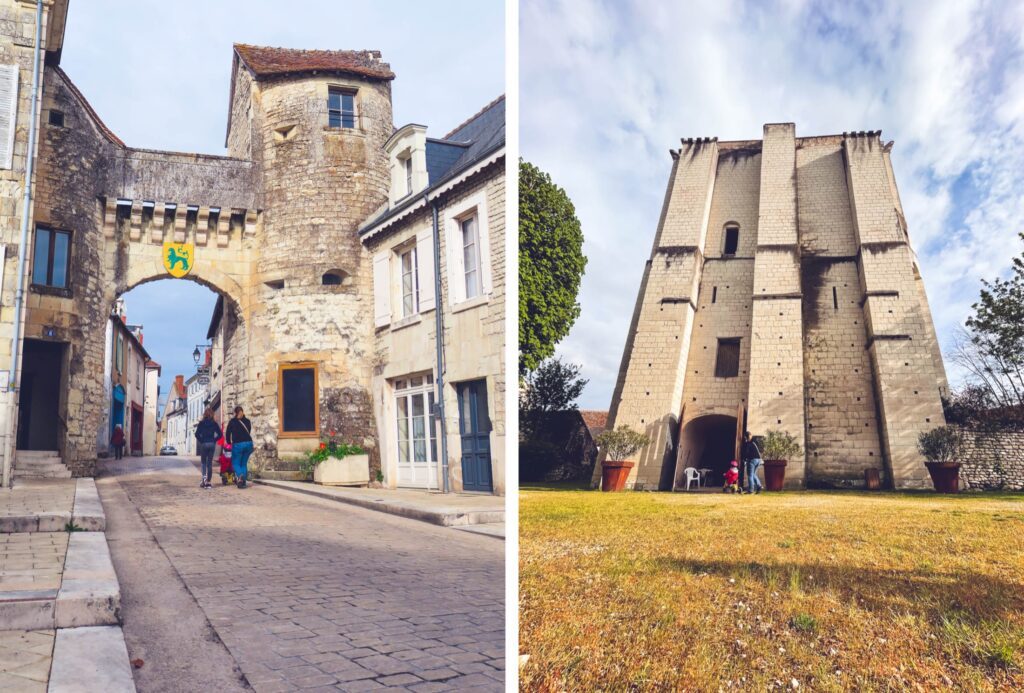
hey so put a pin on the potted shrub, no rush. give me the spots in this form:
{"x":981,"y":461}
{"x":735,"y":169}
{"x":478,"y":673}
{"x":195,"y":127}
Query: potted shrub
{"x":941,"y":448}
{"x":617,"y":445}
{"x":337,"y":464}
{"x":777,"y":447}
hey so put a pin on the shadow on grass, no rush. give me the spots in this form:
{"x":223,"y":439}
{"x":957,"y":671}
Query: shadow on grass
{"x":979,"y":597}
{"x":579,"y":485}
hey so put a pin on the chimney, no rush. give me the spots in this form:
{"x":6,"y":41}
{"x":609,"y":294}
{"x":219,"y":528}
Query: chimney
{"x":179,"y":382}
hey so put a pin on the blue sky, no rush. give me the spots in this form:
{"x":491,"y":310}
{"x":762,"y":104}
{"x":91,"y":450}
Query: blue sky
{"x":158,"y":74}
{"x":606,"y":91}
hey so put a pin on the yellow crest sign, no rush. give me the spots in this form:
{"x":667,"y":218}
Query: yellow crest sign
{"x":179,"y":258}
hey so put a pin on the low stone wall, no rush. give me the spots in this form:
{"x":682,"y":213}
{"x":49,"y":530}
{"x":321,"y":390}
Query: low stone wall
{"x":993,"y":461}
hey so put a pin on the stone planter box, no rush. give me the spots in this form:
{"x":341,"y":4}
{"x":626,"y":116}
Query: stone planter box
{"x":353,"y":470}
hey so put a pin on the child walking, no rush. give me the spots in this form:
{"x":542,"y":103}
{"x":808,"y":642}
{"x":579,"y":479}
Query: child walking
{"x":732,"y":478}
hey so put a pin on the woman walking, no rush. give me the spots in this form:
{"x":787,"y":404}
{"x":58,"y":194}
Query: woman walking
{"x":117,"y":441}
{"x":239,"y":437}
{"x":207,"y":434}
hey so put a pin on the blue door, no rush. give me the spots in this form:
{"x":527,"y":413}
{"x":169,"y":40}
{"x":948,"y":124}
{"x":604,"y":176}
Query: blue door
{"x":117,"y":408}
{"x":475,"y":430}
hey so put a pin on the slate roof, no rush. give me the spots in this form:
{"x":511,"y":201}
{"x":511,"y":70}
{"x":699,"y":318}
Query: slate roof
{"x":472,"y":141}
{"x":268,"y":61}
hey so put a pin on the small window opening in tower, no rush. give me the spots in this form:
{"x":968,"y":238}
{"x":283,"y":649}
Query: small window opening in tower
{"x":835,"y":298}
{"x":714,"y":294}
{"x":335,"y":277}
{"x":732,"y":240}
{"x":57,"y":118}
{"x":727,"y":361}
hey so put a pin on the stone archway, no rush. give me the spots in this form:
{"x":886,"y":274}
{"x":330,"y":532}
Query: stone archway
{"x":707,"y":442}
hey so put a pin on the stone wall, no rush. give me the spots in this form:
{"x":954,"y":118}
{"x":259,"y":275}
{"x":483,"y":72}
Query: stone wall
{"x":993,"y":461}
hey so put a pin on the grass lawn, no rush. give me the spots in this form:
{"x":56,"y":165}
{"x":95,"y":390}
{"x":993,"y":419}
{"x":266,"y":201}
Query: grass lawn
{"x":822,"y":590}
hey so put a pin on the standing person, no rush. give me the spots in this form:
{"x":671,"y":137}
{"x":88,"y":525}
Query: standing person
{"x":239,"y":437}
{"x":752,"y":458}
{"x":117,"y":441}
{"x":207,"y":434}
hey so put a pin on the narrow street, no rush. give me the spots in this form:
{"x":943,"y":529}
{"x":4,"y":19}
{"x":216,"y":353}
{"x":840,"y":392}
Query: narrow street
{"x":224,"y":589}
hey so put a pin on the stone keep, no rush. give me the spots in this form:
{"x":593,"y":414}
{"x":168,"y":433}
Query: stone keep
{"x":823,"y":295}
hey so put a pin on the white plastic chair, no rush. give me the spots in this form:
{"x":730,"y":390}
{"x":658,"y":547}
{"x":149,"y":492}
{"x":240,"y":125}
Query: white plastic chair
{"x":691,"y":475}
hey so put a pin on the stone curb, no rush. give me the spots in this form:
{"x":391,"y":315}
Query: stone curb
{"x":444,"y":518}
{"x":89,"y":592}
{"x":90,"y":659}
{"x":43,"y":522}
{"x":88,"y":513}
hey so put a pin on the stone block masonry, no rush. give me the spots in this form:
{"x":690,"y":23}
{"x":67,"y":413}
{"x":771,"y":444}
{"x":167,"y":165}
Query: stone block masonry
{"x":782,"y":293}
{"x":993,"y":461}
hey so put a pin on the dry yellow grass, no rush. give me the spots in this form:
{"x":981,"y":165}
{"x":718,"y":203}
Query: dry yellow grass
{"x":816,"y":590}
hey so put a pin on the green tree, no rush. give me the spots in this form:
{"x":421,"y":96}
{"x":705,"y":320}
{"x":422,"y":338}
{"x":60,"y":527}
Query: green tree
{"x":552,"y":386}
{"x":551,"y":265}
{"x":993,"y":348}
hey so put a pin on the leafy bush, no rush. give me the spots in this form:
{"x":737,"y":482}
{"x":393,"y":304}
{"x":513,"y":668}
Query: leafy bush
{"x":941,"y":444}
{"x":536,"y":458}
{"x":621,"y":442}
{"x":328,"y":448}
{"x":780,"y":445}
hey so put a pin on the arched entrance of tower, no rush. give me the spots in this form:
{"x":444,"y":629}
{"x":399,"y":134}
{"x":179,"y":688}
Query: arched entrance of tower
{"x":709,"y":443}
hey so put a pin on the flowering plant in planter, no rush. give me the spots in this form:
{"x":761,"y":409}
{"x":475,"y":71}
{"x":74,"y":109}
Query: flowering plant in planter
{"x":327,"y":449}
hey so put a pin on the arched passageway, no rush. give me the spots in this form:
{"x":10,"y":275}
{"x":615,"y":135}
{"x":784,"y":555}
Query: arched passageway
{"x":708,"y":443}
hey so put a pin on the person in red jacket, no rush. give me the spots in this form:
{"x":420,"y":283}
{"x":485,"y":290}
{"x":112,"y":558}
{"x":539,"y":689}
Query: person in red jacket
{"x":732,"y":478}
{"x":117,"y":441}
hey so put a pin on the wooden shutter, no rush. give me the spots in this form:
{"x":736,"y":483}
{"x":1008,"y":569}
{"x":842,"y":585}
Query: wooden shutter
{"x":382,"y":288}
{"x":8,"y":113}
{"x":425,"y":268}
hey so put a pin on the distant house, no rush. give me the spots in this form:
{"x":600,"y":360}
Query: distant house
{"x":563,"y":446}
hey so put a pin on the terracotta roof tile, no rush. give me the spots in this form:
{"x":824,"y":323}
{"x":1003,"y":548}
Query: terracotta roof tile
{"x":266,"y":61}
{"x":595,"y":420}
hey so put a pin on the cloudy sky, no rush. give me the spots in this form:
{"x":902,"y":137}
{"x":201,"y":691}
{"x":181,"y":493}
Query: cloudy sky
{"x":606,"y":91}
{"x":158,"y":74}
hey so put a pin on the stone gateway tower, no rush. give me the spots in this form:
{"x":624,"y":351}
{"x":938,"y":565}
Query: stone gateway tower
{"x":782,"y":293}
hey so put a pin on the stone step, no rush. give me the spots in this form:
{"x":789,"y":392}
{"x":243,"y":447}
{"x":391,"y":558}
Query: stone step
{"x":39,"y":464}
{"x":89,"y":594}
{"x":56,"y":473}
{"x":28,"y":454}
{"x":90,"y":659}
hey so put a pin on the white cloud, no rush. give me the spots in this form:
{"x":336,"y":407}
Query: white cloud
{"x":607,"y":90}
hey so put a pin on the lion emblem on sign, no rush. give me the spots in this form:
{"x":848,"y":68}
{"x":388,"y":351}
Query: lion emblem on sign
{"x":178,"y":258}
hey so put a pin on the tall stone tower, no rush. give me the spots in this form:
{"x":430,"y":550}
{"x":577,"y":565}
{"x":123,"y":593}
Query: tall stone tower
{"x":314,"y":124}
{"x":782,"y":293}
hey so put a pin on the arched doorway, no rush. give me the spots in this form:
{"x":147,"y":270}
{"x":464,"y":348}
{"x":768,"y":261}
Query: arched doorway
{"x":709,"y":443}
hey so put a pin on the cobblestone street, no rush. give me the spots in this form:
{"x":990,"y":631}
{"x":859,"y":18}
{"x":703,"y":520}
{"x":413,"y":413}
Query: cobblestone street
{"x":309,"y":594}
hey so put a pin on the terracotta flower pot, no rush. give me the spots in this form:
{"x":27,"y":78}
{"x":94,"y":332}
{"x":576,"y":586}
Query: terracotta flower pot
{"x":614,"y":475}
{"x":774,"y":474}
{"x":945,"y":476}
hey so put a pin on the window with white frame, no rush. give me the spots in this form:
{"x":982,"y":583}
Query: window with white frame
{"x":416,"y":434}
{"x":403,"y":279}
{"x":469,"y":265}
{"x":341,"y":108}
{"x":409,"y":281}
{"x":471,"y":255}
{"x":407,"y":162}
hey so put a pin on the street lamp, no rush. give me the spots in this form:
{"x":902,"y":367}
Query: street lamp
{"x":196,"y":355}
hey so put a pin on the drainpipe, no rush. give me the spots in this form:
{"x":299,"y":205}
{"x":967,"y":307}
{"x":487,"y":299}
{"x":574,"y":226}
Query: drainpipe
{"x":439,"y":340}
{"x":19,"y":294}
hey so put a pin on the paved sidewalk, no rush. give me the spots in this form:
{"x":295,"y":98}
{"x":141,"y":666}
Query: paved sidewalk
{"x":25,"y":658}
{"x":313,"y":594}
{"x":446,"y":509}
{"x":49,"y":505}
